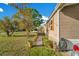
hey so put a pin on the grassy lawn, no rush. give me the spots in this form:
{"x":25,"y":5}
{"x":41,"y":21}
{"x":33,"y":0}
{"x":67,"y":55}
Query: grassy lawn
{"x":17,"y":45}
{"x":14,"y":45}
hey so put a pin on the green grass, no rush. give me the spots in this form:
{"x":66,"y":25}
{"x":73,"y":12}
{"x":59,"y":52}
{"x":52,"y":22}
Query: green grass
{"x":13,"y":46}
{"x":16,"y":46}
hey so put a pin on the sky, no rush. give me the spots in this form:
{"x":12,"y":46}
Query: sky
{"x":45,"y":9}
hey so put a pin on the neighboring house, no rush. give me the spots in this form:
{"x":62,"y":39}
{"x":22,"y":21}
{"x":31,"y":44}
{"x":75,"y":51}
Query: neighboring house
{"x":63,"y":23}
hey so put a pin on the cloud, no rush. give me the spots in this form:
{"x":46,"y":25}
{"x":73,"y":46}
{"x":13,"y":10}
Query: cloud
{"x":6,"y":3}
{"x":45,"y":18}
{"x":1,"y":10}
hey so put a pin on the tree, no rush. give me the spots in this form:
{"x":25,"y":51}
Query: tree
{"x":30,"y":17}
{"x":35,"y":16}
{"x":8,"y":26}
{"x":2,"y":28}
{"x":29,"y":12}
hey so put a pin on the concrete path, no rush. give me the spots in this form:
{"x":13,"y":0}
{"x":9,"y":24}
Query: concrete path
{"x":39,"y":41}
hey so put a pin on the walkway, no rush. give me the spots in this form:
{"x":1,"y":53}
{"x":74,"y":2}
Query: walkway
{"x":39,"y":41}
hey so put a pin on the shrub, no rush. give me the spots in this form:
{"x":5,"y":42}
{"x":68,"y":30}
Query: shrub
{"x":41,"y":51}
{"x":49,"y":45}
{"x":45,"y":50}
{"x":47,"y":42}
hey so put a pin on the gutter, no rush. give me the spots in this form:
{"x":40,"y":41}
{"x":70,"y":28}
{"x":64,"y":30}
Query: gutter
{"x":60,"y":5}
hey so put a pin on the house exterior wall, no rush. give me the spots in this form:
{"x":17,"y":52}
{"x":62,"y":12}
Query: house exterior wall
{"x":69,"y":22}
{"x":53,"y":33}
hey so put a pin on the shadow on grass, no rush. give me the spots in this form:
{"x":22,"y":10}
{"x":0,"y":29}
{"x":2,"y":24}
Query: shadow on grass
{"x":22,"y":35}
{"x":18,"y":36}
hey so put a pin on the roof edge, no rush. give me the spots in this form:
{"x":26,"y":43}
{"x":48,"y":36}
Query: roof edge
{"x":56,"y":8}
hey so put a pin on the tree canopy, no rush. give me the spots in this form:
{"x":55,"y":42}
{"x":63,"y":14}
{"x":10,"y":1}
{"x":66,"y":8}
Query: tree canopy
{"x":25,"y":19}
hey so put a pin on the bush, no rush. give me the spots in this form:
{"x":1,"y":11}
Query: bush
{"x":47,"y":42}
{"x":32,"y":41}
{"x":45,"y":50}
{"x":49,"y":45}
{"x":41,"y":51}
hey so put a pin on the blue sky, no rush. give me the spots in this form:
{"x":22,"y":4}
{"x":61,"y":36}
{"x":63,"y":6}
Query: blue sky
{"x":45,"y":9}
{"x":7,"y":10}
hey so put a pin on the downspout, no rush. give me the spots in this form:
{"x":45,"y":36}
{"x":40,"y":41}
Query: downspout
{"x":60,"y":8}
{"x":59,"y":25}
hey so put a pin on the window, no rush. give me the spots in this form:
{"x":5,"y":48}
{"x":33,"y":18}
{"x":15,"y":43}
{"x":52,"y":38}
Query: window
{"x":52,"y":24}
